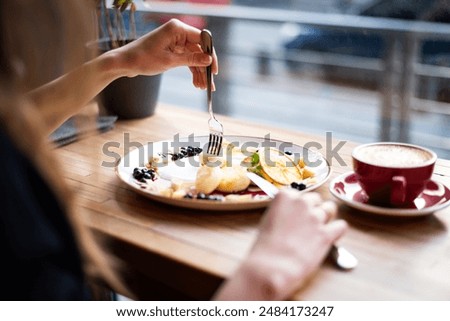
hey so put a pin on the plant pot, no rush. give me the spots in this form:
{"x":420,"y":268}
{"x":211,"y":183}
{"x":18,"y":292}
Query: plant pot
{"x":130,"y":98}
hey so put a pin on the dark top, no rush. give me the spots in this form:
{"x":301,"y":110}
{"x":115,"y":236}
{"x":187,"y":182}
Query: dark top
{"x":39,"y":258}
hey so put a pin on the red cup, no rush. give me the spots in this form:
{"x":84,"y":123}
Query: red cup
{"x":393,"y":174}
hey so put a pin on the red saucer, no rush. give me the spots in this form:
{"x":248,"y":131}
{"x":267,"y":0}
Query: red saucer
{"x":346,"y":188}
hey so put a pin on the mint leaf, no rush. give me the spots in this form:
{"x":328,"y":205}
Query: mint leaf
{"x":255,"y":159}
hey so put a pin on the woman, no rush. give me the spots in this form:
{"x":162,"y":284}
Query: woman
{"x":46,"y":253}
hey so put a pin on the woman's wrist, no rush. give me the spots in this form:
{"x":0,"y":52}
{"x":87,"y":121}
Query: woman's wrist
{"x":260,"y":278}
{"x":113,"y":65}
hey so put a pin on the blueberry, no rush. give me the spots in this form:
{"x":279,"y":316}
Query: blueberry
{"x":201,"y":196}
{"x":301,"y":187}
{"x":298,"y":186}
{"x":186,"y":152}
{"x":138,"y":174}
{"x":149,"y":174}
{"x":141,"y":174}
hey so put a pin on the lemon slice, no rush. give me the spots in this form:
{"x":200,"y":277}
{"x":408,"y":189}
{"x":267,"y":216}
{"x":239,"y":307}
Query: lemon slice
{"x":279,"y":166}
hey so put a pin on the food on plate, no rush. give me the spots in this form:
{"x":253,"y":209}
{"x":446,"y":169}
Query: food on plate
{"x":278,"y":167}
{"x":223,"y":173}
{"x":234,"y":179}
{"x":208,"y":179}
{"x":224,"y":177}
{"x":141,"y":174}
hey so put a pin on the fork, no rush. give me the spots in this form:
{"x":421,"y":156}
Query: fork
{"x":215,"y":127}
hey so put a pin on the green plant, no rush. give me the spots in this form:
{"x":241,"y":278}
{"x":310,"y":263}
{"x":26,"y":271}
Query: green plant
{"x":111,"y":22}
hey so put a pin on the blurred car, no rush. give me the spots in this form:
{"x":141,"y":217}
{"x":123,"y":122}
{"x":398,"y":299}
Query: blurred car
{"x":365,"y":45}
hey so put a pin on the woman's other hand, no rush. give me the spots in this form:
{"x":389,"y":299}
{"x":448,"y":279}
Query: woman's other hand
{"x":294,"y":239}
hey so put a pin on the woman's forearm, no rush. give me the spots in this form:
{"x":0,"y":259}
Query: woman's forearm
{"x":68,"y":94}
{"x":172,"y":45}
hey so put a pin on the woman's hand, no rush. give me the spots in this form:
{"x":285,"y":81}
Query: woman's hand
{"x":295,"y":236}
{"x":172,"y":45}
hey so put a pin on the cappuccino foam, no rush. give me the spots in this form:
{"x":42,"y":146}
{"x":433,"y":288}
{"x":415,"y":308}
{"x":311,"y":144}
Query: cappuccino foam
{"x":393,"y":155}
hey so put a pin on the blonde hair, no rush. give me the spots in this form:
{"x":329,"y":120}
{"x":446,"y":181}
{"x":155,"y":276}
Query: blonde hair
{"x":39,"y":41}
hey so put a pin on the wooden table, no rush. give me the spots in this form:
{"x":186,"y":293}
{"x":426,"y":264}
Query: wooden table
{"x":176,"y":253}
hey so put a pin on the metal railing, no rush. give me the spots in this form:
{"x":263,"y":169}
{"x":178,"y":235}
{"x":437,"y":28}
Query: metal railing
{"x":402,"y":38}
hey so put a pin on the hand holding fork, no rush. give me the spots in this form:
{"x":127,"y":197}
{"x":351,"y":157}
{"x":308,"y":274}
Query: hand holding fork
{"x":215,"y":127}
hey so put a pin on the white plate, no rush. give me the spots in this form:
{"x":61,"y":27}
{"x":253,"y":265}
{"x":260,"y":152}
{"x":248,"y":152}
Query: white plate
{"x":345,"y":187}
{"x":139,"y":157}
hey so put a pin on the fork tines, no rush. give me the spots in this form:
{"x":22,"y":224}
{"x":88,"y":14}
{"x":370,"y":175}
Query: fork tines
{"x":215,"y":143}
